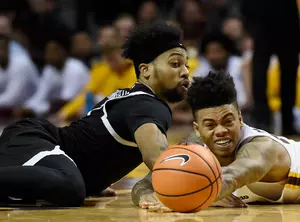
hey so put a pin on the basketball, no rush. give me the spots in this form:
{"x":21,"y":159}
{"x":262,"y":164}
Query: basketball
{"x":187,"y":178}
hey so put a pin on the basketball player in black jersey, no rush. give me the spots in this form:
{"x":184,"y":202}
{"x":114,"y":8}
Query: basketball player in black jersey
{"x":62,"y":166}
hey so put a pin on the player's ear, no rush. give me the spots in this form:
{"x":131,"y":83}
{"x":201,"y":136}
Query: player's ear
{"x":144,"y":70}
{"x":196,"y":128}
{"x":241,"y":118}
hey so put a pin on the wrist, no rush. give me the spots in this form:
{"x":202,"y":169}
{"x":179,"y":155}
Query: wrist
{"x":137,"y":194}
{"x":229,"y":185}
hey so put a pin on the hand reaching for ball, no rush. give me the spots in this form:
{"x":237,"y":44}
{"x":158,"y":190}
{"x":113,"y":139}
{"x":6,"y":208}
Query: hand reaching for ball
{"x":230,"y":201}
{"x":151,"y":202}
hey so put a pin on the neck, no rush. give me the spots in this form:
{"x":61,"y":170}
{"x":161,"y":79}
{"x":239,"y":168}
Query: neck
{"x":154,"y":90}
{"x":148,"y":85}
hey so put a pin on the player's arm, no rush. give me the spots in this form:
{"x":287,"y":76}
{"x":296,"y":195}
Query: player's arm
{"x":253,"y":161}
{"x":141,"y":188}
{"x":151,"y":142}
{"x":144,"y":186}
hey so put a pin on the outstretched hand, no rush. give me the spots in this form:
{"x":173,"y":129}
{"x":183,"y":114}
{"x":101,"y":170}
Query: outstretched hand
{"x":152,"y":203}
{"x":231,"y":201}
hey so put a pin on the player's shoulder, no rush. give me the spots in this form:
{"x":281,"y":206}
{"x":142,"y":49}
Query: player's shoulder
{"x":147,"y":100}
{"x":261,"y":141}
{"x":261,"y":144}
{"x":138,"y":100}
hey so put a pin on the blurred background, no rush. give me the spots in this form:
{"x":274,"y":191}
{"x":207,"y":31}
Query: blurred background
{"x":60,"y":57}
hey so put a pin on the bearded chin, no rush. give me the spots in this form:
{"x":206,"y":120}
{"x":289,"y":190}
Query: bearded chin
{"x":172,"y":95}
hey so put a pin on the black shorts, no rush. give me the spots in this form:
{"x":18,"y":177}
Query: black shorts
{"x":24,"y":139}
{"x":33,"y":166}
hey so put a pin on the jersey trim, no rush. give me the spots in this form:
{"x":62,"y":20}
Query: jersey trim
{"x":39,"y":156}
{"x":107,"y":124}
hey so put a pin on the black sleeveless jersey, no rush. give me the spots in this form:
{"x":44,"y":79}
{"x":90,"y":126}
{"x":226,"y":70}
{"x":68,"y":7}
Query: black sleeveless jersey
{"x":102,"y":143}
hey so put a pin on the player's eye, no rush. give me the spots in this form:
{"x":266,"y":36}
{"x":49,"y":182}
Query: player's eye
{"x":209,"y":125}
{"x":175,"y":64}
{"x":229,"y":122}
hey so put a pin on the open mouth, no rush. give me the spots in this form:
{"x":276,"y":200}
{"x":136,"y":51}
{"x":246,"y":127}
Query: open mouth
{"x":223,"y":143}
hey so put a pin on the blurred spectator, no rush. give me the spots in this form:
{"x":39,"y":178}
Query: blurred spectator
{"x":14,"y":47}
{"x":273,"y":92}
{"x":62,"y":79}
{"x":189,"y":15}
{"x":217,"y":11}
{"x":110,"y":74}
{"x":274,"y":27}
{"x":35,"y":23}
{"x":82,"y":48}
{"x":219,"y":54}
{"x":148,"y":12}
{"x":124,"y":24}
{"x":106,"y":34}
{"x":18,"y":77}
{"x":233,"y":28}
{"x":245,"y":46}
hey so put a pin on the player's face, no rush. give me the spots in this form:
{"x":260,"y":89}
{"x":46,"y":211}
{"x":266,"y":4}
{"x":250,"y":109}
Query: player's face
{"x":170,"y":74}
{"x":219,"y":127}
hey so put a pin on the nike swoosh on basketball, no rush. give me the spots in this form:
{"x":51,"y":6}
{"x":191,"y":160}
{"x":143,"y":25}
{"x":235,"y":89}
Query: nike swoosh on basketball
{"x":184,"y":157}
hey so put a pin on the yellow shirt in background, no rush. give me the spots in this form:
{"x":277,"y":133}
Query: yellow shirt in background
{"x":103,"y":81}
{"x":193,"y":63}
{"x":273,"y":87}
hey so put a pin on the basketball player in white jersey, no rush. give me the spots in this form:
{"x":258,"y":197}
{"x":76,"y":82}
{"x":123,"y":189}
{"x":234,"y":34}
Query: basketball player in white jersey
{"x":257,"y":166}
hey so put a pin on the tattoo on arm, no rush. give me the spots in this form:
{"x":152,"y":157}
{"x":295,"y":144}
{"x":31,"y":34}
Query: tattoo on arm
{"x":192,"y":138}
{"x":142,"y":187}
{"x":156,"y":143}
{"x":252,"y":163}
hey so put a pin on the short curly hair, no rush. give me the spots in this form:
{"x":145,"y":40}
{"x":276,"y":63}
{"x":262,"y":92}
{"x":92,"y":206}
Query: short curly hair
{"x":147,"y":41}
{"x":215,"y":89}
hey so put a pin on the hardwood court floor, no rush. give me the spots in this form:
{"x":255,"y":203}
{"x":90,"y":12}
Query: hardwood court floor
{"x":121,"y":209}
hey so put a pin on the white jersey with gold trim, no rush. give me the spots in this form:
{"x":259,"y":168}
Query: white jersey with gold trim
{"x":287,"y":191}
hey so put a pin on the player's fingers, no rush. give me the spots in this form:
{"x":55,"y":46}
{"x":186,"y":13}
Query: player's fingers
{"x":146,"y":202}
{"x":217,"y":204}
{"x":154,"y":208}
{"x":237,"y":204}
{"x":244,"y":205}
{"x":144,"y":205}
{"x":149,"y":198}
{"x":165,"y":209}
{"x":237,"y":201}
